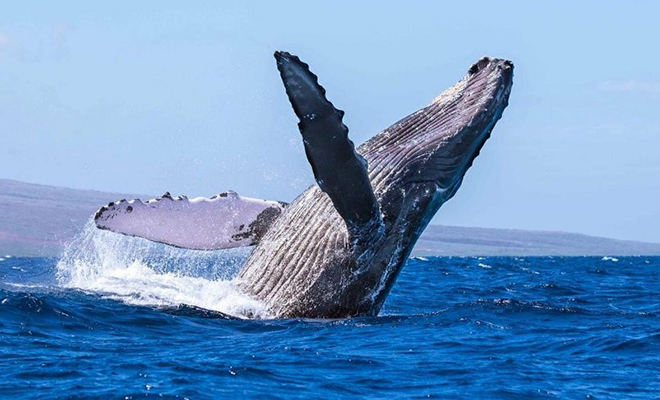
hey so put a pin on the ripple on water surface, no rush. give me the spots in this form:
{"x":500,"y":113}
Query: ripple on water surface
{"x":523,"y":327}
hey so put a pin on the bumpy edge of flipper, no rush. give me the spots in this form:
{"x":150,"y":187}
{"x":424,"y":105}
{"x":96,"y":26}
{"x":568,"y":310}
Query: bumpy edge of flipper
{"x":226,"y":220}
{"x":339,"y":170}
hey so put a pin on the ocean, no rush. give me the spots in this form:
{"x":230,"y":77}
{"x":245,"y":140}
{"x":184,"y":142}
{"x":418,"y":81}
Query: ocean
{"x":121,"y":318}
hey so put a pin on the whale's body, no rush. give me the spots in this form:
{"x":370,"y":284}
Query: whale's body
{"x":338,"y":248}
{"x":308,"y":265}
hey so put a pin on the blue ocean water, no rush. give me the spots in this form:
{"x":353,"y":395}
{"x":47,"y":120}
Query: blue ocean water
{"x":496,"y":327}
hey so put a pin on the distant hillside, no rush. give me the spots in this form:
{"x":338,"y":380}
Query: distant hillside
{"x":37,"y":220}
{"x":460,"y":241}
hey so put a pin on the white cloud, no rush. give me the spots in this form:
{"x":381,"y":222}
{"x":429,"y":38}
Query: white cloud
{"x":60,"y":32}
{"x":4,"y":43}
{"x":629,"y":86}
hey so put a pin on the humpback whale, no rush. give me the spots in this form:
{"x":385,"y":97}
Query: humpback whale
{"x":337,"y":249}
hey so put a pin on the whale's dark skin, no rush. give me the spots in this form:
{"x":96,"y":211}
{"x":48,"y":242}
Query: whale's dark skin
{"x":338,"y":248}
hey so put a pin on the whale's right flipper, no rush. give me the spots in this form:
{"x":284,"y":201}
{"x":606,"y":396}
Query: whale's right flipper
{"x":224,"y":221}
{"x":340,"y":171}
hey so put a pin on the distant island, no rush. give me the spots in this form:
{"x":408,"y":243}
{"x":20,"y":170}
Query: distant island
{"x":38,"y":220}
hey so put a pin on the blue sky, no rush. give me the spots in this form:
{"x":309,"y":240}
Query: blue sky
{"x":144,"y":97}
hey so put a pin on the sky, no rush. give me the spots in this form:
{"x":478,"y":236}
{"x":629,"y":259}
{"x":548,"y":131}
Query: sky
{"x":154,"y":96}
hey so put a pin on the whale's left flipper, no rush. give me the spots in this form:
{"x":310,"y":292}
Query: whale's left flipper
{"x":339,"y":170}
{"x":224,"y":221}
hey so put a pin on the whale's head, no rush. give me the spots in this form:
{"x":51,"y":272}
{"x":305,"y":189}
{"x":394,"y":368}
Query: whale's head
{"x":418,"y":163}
{"x":429,"y":151}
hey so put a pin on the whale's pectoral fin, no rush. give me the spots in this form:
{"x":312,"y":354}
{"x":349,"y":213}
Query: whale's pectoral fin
{"x":224,"y":221}
{"x":339,"y":170}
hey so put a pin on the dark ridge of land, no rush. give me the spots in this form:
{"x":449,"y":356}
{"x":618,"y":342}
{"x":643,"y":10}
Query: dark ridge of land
{"x":38,"y":220}
{"x":440,"y":240}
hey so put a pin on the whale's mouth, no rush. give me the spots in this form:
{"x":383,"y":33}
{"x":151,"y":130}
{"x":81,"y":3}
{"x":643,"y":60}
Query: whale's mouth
{"x":478,"y":107}
{"x":438,"y":143}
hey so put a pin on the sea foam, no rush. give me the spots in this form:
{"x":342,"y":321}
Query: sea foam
{"x":139,"y":272}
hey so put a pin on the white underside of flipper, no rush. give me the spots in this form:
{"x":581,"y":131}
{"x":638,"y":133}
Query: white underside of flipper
{"x":224,"y":221}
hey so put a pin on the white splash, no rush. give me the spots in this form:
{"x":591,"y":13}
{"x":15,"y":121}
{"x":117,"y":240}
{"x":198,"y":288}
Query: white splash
{"x":613,"y":259}
{"x":139,"y":272}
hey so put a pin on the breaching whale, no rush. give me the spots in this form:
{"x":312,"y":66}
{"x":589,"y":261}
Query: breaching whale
{"x":338,"y":248}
